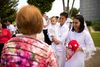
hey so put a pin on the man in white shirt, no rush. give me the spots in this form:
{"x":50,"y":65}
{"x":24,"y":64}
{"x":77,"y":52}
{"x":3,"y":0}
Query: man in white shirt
{"x":59,"y":47}
{"x":11,"y":27}
{"x":45,"y":30}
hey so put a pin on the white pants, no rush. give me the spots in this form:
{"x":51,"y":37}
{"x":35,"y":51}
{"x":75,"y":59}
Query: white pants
{"x":60,"y":54}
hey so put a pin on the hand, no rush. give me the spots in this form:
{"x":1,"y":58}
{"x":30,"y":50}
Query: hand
{"x":67,"y":57}
{"x":67,"y":53}
{"x":0,"y":31}
{"x":55,"y":40}
{"x":79,"y":49}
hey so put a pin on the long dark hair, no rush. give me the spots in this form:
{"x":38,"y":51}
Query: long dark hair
{"x":81,"y":19}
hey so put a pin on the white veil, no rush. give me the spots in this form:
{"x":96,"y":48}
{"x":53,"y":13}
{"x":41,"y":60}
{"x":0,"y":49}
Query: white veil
{"x":88,"y":55}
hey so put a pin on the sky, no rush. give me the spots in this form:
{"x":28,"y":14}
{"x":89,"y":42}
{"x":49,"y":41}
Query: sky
{"x":56,"y":9}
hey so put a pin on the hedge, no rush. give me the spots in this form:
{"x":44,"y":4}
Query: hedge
{"x":96,"y":25}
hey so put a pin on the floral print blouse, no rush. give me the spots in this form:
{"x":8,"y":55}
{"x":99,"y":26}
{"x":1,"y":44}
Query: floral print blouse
{"x":24,"y":51}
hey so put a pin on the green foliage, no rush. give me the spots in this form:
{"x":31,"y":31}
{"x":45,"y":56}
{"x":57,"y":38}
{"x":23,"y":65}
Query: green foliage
{"x":96,"y":39}
{"x":89,"y":23}
{"x":96,"y":25}
{"x":8,"y":9}
{"x":73,"y":12}
{"x":43,"y":5}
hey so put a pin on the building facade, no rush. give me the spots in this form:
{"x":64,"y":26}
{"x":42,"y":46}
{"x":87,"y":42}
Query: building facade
{"x":90,"y":9}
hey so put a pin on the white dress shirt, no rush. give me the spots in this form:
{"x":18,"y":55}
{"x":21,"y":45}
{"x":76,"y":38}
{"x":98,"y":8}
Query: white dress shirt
{"x":60,"y":49}
{"x":45,"y":24}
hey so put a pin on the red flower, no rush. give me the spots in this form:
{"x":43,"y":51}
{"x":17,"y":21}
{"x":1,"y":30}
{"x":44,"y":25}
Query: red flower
{"x":73,"y":45}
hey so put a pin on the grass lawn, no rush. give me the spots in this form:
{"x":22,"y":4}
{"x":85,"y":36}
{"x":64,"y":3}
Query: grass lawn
{"x":96,"y":37}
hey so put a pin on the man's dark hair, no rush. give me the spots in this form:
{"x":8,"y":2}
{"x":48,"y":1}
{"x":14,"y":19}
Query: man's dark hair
{"x":4,"y":25}
{"x":3,"y":22}
{"x":64,"y":14}
{"x":10,"y":21}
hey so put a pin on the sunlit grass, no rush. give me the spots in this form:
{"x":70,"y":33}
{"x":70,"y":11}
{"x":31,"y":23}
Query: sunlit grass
{"x":96,"y":37}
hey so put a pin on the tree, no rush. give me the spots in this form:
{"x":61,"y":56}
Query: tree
{"x":63,"y":2}
{"x":8,"y":9}
{"x":67,"y":9}
{"x":74,"y":12}
{"x":43,"y":5}
{"x":72,"y":8}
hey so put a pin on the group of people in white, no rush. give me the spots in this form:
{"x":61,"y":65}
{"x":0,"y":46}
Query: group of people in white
{"x":61,"y":31}
{"x":69,"y":40}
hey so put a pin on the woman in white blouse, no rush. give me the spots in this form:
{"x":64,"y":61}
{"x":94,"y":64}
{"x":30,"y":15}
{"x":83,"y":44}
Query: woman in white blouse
{"x":86,"y":45}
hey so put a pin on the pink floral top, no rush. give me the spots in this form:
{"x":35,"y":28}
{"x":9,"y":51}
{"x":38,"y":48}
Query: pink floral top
{"x":24,"y":51}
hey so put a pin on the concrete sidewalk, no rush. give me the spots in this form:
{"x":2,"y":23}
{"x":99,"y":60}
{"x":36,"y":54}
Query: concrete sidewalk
{"x":95,"y":60}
